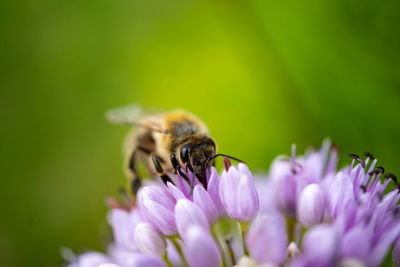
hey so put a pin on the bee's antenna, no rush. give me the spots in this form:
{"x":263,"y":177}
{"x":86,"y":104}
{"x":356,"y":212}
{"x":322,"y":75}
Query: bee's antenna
{"x":224,"y":155}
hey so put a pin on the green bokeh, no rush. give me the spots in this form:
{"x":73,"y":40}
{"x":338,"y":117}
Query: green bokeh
{"x":261,"y":74}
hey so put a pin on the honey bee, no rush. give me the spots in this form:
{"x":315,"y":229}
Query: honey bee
{"x":167,"y":142}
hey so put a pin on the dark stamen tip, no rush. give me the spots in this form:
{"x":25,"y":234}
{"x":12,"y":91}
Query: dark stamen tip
{"x":373,"y":172}
{"x":363,"y":188}
{"x":360,"y":160}
{"x":354,"y":156}
{"x":369,"y":155}
{"x":380,"y":169}
{"x":391,"y":176}
{"x":227,"y":163}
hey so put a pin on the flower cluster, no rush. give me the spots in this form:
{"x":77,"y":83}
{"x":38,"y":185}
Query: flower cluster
{"x":305,"y":214}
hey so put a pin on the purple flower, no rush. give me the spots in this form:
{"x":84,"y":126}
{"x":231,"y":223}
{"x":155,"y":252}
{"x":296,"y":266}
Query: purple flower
{"x":305,"y":214}
{"x":187,"y":214}
{"x":149,"y":240}
{"x":123,"y":224}
{"x":284,"y":182}
{"x":321,"y":247}
{"x":200,"y":248}
{"x":203,"y":199}
{"x":158,"y":206}
{"x":266,"y":239}
{"x":208,"y":200}
{"x":311,"y":205}
{"x":238,"y":193}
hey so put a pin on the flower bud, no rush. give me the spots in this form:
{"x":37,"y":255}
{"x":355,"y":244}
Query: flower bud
{"x":284,"y":184}
{"x":157,"y":205}
{"x":176,"y":193}
{"x":266,"y":239}
{"x":238,"y":193}
{"x":200,"y":248}
{"x":203,"y":199}
{"x":186,"y":214}
{"x":213,"y":190}
{"x":339,"y":193}
{"x":123,"y":227}
{"x":149,"y":240}
{"x":311,"y":203}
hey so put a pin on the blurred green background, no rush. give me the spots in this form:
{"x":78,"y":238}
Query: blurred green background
{"x":261,"y":74}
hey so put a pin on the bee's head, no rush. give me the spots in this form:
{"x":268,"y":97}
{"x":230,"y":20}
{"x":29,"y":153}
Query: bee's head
{"x":196,"y":154}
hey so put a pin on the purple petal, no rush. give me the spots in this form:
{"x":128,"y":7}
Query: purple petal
{"x":266,"y":239}
{"x":146,"y":260}
{"x":386,"y":240}
{"x":228,"y":190}
{"x":238,"y":193}
{"x":178,"y":194}
{"x":158,"y":205}
{"x":284,"y":187}
{"x":248,"y":203}
{"x":265,"y":191}
{"x":213,"y":189}
{"x":356,"y":243}
{"x":311,"y":205}
{"x":339,"y":192}
{"x":244,"y":169}
{"x":149,"y":240}
{"x":200,"y":248}
{"x":123,"y":228}
{"x":186,"y":214}
{"x":321,"y":245}
{"x":202,"y":199}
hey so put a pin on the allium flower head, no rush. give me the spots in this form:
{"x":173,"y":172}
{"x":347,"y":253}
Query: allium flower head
{"x":305,"y":213}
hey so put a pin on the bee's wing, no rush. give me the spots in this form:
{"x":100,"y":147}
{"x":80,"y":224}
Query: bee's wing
{"x":134,"y":115}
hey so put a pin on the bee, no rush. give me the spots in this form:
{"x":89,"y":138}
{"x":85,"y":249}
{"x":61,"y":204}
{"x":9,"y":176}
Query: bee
{"x":168,"y":142}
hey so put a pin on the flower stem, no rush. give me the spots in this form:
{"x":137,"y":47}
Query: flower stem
{"x":166,"y":259}
{"x":176,"y":244}
{"x":291,"y":226}
{"x":243,"y":227}
{"x":222,"y":245}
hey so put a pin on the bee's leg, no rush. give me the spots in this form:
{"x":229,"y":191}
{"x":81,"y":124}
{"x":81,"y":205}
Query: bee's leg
{"x":135,"y":181}
{"x":160,"y":171}
{"x":177,"y":167}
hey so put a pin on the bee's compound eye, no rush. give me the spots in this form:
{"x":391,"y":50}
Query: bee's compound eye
{"x":185,"y":154}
